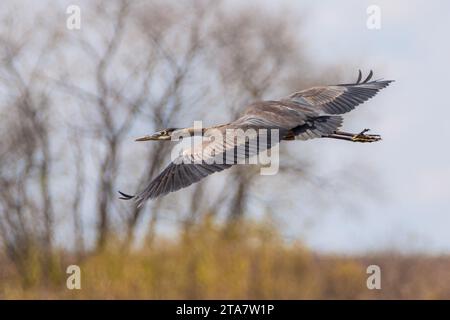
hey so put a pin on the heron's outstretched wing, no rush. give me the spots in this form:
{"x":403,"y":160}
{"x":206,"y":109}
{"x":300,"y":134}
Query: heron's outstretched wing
{"x":194,"y":164}
{"x":341,"y":98}
{"x":175,"y":177}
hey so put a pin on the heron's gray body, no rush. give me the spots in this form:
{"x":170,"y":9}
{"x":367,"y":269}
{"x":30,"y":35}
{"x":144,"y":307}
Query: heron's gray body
{"x":292,"y":119}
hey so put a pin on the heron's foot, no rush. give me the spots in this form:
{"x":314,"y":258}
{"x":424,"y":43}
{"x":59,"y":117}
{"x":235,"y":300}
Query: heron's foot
{"x":363,"y":137}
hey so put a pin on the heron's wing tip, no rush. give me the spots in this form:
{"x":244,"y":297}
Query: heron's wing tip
{"x":359,"y":76}
{"x":125,"y":196}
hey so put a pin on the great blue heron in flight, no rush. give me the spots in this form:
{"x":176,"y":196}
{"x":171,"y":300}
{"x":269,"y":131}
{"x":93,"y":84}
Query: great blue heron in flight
{"x":308,"y":114}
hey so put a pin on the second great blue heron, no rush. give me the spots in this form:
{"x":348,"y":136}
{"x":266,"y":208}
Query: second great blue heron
{"x":308,"y":114}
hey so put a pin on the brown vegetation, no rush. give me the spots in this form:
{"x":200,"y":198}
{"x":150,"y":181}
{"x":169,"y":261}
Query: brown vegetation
{"x":247,"y":261}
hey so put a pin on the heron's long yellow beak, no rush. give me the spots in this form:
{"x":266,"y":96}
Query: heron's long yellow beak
{"x":146,"y":138}
{"x":155,"y":136}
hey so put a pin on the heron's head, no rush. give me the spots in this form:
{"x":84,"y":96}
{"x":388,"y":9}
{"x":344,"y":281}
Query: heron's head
{"x":165,"y":134}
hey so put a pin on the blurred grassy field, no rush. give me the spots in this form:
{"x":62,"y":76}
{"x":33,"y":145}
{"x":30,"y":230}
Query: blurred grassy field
{"x":245,"y":261}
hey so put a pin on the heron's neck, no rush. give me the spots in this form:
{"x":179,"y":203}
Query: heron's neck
{"x":183,"y":132}
{"x":191,"y":131}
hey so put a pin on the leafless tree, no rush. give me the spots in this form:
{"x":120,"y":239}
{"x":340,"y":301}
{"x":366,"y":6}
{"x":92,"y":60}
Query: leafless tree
{"x":26,"y":206}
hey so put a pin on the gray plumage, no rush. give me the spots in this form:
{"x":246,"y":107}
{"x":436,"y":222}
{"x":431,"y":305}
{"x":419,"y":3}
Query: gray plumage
{"x":307,"y":114}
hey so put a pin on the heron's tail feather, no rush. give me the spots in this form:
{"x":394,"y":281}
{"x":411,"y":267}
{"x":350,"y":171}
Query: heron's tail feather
{"x":317,"y":127}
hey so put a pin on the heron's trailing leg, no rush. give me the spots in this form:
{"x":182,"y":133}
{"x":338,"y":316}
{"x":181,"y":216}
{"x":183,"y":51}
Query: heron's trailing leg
{"x":358,"y":137}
